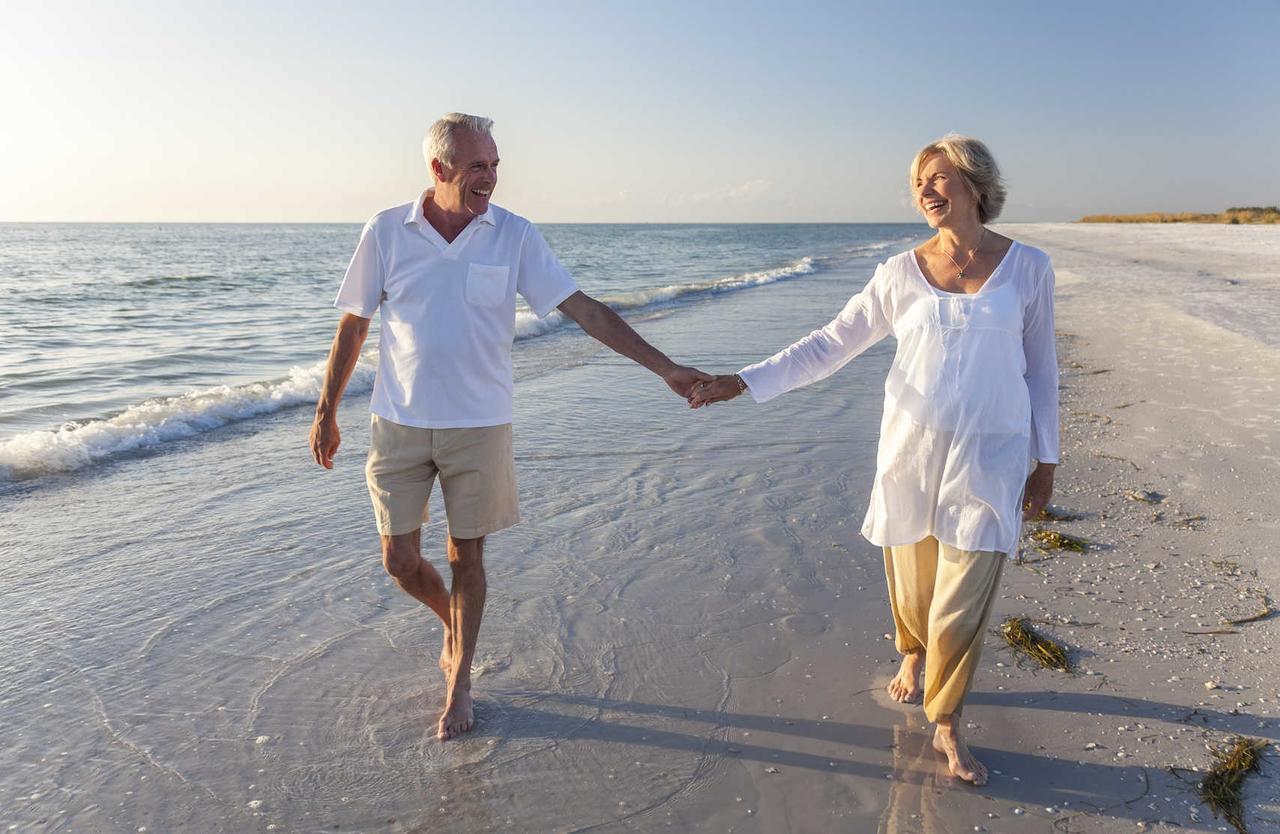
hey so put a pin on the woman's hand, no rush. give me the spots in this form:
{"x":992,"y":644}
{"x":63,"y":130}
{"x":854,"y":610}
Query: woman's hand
{"x":682,"y":380}
{"x":720,"y":389}
{"x":1038,"y":491}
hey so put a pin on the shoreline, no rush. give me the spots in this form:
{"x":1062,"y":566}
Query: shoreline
{"x":687,"y":630}
{"x":1163,"y":405}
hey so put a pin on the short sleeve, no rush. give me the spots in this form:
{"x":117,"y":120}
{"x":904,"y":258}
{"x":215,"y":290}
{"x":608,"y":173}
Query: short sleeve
{"x":361,"y":290}
{"x":541,"y":279}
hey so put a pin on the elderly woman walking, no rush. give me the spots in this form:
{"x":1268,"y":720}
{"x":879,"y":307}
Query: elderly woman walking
{"x":969,"y":436}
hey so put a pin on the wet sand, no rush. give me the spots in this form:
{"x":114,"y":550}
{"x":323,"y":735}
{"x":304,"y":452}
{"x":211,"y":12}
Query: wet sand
{"x":687,"y":631}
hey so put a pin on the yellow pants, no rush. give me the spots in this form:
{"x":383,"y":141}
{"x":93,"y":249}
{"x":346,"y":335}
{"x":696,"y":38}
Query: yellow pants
{"x":941,"y":598}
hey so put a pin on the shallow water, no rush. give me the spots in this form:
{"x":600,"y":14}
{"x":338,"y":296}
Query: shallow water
{"x":200,"y":636}
{"x":127,"y":337}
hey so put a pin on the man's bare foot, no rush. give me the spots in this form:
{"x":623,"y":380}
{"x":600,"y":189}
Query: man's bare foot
{"x":905,"y":686}
{"x":959,"y":760}
{"x":458,"y":716}
{"x":446,"y":652}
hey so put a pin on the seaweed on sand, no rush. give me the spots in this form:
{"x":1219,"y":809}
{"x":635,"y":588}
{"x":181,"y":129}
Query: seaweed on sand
{"x":1021,"y":637}
{"x":1054,"y":514}
{"x":1220,"y":789}
{"x":1055,"y":540}
{"x":1265,"y":613}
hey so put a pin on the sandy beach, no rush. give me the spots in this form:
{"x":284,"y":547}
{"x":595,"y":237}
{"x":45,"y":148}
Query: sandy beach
{"x":687,"y":631}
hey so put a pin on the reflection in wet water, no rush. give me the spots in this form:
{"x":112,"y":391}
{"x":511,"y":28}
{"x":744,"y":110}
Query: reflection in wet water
{"x":917,"y":798}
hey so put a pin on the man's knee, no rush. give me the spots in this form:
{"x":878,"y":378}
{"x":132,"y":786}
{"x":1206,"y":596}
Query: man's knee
{"x":466,"y":555}
{"x":401,"y":556}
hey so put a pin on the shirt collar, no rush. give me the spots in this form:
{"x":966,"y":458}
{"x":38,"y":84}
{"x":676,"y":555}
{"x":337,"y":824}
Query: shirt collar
{"x":416,"y":215}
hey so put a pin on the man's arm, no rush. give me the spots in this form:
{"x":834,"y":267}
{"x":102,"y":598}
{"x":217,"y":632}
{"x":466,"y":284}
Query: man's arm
{"x":607,"y":327}
{"x":343,"y":356}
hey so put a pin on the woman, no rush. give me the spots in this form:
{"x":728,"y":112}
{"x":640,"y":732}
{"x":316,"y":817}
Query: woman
{"x":969,"y":437}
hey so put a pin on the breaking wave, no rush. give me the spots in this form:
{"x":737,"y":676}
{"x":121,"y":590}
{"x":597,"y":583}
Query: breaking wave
{"x":156,"y":421}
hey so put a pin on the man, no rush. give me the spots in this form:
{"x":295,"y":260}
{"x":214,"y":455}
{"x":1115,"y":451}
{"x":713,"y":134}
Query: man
{"x":444,"y":271}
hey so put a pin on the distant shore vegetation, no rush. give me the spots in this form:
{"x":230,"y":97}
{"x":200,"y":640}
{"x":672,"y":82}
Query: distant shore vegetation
{"x":1232,"y":216}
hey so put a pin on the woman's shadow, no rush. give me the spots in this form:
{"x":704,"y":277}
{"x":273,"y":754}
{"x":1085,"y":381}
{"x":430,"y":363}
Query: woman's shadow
{"x":921,"y":794}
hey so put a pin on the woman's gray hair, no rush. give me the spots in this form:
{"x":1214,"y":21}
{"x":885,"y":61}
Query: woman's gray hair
{"x":439,"y":144}
{"x":976,"y":166}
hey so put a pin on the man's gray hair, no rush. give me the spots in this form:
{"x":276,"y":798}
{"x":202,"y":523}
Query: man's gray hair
{"x":976,"y":165}
{"x":439,"y":144}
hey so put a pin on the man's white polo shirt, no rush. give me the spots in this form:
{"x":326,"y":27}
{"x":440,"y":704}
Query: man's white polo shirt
{"x":448,"y":311}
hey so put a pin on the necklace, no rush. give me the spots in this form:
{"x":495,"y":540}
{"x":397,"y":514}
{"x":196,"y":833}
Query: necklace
{"x":972,"y":252}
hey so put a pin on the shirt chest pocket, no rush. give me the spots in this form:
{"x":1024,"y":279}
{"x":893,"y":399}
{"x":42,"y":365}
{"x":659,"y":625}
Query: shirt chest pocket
{"x":487,"y":285}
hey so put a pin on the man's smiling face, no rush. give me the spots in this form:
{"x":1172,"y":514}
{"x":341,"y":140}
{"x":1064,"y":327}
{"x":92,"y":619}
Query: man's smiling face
{"x":467,"y":183}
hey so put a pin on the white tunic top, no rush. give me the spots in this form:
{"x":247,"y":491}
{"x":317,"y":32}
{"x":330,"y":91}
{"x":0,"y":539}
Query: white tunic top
{"x":448,"y":311}
{"x":971,"y":398}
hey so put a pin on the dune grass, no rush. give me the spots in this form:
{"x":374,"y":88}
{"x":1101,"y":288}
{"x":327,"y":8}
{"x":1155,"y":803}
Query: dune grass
{"x":1232,"y":216}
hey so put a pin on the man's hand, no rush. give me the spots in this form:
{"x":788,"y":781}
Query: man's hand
{"x":325,"y":440}
{"x":682,"y":379}
{"x":719,"y":389}
{"x":1038,"y":491}
{"x":344,"y":354}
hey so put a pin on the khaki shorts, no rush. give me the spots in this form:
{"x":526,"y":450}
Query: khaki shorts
{"x":477,"y":474}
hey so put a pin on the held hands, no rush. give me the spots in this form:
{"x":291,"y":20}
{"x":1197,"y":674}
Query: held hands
{"x":682,"y":380}
{"x":719,"y":389}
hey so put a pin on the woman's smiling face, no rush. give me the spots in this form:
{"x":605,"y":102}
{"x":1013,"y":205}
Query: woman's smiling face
{"x":942,"y":195}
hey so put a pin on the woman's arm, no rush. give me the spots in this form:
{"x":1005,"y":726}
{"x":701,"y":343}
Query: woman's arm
{"x":863,"y":322}
{"x":1042,"y":370}
{"x":1041,"y":376}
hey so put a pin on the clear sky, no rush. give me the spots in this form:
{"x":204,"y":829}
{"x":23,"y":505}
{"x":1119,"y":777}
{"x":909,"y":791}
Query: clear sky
{"x":625,"y":111}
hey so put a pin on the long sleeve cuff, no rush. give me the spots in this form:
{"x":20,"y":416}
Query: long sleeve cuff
{"x":756,"y":378}
{"x":1044,"y":446}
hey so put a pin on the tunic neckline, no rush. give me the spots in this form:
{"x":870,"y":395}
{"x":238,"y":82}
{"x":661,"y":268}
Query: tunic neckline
{"x":915,"y":264}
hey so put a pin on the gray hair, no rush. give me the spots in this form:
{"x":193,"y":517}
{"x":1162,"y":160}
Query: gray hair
{"x":976,"y":166}
{"x":439,"y":144}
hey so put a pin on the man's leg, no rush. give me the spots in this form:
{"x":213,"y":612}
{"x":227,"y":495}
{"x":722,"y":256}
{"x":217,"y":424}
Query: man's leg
{"x":478,"y":477}
{"x":466,"y":609}
{"x":400,"y":474}
{"x":402,"y":559}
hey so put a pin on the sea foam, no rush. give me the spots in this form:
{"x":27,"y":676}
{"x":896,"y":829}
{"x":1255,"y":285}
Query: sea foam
{"x":529,"y":325}
{"x":150,"y":423}
{"x":157,"y":421}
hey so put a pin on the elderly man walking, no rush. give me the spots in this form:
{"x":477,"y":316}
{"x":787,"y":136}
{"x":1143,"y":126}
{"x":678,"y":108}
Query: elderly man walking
{"x":444,"y":271}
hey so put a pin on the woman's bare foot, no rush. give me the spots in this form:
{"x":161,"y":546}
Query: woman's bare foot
{"x":959,"y":760}
{"x":905,"y":686}
{"x":458,"y":716}
{"x":446,"y":652}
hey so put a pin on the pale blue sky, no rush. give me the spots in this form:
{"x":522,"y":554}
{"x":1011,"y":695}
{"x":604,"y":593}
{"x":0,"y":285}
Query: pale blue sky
{"x":611,"y":111}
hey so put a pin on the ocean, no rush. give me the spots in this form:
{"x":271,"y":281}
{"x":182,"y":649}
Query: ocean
{"x":196,"y":631}
{"x":122,"y":338}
